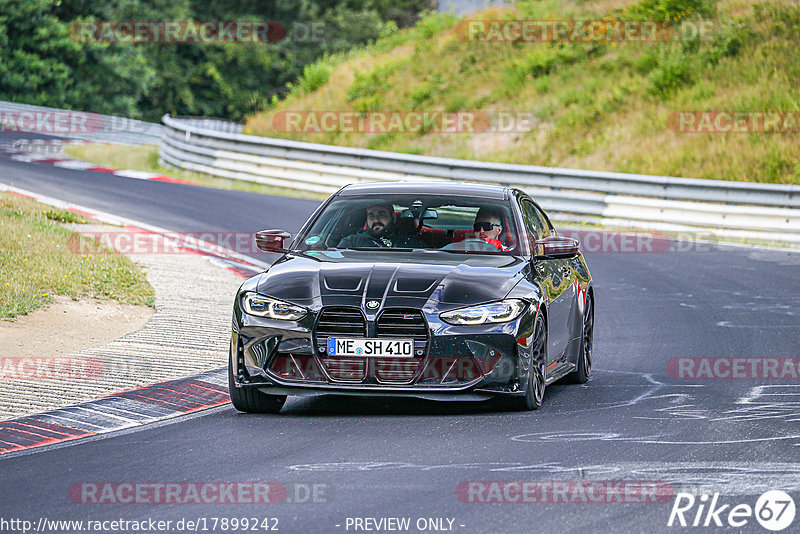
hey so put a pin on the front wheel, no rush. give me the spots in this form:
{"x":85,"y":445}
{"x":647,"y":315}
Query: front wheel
{"x":251,"y":400}
{"x":534,"y":392}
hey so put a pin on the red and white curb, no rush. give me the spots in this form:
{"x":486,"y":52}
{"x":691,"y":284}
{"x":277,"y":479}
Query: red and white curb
{"x":74,"y":164}
{"x":140,"y":406}
{"x":116,"y":412}
{"x":242,"y":265}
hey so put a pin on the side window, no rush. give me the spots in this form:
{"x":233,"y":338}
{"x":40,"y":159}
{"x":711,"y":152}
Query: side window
{"x":548,"y":227}
{"x":534,"y":223}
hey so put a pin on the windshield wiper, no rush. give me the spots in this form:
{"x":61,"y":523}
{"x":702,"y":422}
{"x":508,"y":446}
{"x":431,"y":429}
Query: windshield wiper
{"x":452,"y":251}
{"x":372,"y":249}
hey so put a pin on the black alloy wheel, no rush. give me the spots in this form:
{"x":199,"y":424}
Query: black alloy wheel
{"x":534,"y":392}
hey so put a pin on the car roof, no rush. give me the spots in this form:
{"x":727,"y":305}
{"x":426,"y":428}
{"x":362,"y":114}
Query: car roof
{"x":494,"y":192}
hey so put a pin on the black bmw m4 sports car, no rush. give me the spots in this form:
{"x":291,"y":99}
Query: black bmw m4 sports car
{"x":443,"y":291}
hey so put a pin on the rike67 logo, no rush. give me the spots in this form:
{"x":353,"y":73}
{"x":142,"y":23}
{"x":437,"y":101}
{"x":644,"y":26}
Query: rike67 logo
{"x":774,"y":510}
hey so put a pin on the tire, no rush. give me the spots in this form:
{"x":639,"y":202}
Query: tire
{"x":584,"y":366}
{"x":534,"y":391}
{"x":251,"y":400}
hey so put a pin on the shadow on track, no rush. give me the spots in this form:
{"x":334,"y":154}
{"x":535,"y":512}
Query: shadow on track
{"x":341,"y":405}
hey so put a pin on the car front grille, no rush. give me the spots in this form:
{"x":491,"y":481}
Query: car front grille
{"x":397,"y":370}
{"x":401,"y":323}
{"x":335,"y":322}
{"x":344,"y":321}
{"x":346,"y":369}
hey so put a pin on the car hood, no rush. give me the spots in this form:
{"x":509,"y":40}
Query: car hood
{"x":393,"y":279}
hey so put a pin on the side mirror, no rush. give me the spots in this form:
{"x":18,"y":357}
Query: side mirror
{"x":554,"y":247}
{"x":271,"y":240}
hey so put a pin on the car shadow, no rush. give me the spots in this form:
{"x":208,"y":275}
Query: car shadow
{"x":344,"y":405}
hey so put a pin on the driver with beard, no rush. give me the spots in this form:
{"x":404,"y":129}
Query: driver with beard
{"x":381,"y":232}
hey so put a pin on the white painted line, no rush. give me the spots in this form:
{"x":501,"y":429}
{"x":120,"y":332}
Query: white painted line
{"x":139,"y":175}
{"x":59,"y":418}
{"x":74,"y":164}
{"x":90,"y":411}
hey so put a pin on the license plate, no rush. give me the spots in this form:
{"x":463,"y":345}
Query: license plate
{"x":382,"y":348}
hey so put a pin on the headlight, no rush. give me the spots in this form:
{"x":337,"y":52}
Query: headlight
{"x":261,"y":306}
{"x":497,"y":312}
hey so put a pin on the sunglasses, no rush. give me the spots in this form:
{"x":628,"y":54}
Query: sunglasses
{"x":486,"y":226}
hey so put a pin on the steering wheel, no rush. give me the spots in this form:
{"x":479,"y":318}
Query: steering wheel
{"x":472,"y":244}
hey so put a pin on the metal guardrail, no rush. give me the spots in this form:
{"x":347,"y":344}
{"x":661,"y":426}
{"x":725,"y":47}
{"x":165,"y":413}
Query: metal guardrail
{"x":750,"y":209}
{"x":79,"y":125}
{"x":217,"y":125}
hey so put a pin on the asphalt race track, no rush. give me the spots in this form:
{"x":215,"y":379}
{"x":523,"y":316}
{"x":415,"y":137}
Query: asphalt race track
{"x":412,"y":459}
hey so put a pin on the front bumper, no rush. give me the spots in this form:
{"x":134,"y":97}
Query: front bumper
{"x":451,"y":363}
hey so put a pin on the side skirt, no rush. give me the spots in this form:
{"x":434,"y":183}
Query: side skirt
{"x":562,"y":370}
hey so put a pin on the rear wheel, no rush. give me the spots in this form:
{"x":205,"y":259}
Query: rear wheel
{"x":534,"y":392}
{"x":251,"y":400}
{"x":584,"y":366}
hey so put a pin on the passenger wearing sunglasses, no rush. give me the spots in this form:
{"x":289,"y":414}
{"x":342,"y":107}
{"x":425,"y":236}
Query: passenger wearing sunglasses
{"x":488,"y":227}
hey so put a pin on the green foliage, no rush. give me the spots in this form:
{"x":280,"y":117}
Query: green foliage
{"x":784,"y":19}
{"x":670,"y":65}
{"x":39,"y":259}
{"x":778,"y":165}
{"x":727,"y":42}
{"x":62,"y":216}
{"x":672,"y":9}
{"x":671,"y":71}
{"x":546,"y":60}
{"x":433,"y":87}
{"x":433,"y":23}
{"x":457,"y":102}
{"x":602,"y":104}
{"x":36,"y":53}
{"x":541,"y":61}
{"x":367,"y":88}
{"x":315,"y":76}
{"x":42,"y":61}
{"x":403,"y":13}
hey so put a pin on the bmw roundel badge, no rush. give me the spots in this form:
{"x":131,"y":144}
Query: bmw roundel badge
{"x":373,"y":304}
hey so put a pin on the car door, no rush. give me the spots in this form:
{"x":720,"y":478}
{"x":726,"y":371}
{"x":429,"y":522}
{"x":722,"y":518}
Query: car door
{"x":569,"y":266}
{"x":555,"y":277}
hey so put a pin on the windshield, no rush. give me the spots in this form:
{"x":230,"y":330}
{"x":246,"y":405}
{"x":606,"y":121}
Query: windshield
{"x":403,"y":222}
